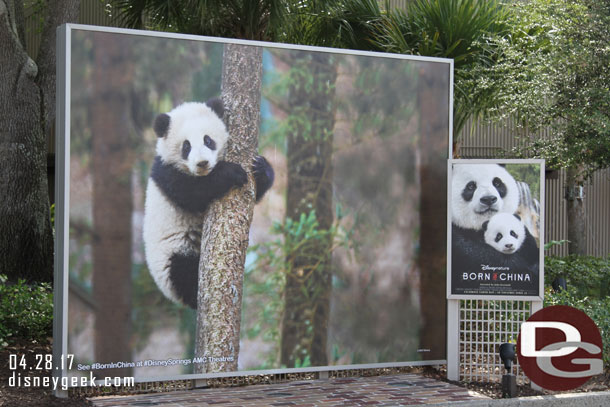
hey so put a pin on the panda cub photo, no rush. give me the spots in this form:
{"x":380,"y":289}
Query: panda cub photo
{"x":508,"y":235}
{"x":486,"y":231}
{"x":187,"y":175}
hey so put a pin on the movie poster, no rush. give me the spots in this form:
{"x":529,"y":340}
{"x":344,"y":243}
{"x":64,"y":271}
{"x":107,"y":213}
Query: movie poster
{"x":237,"y":207}
{"x":495,"y":228}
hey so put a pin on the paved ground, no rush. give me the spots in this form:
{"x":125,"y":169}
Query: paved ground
{"x":407,"y":389}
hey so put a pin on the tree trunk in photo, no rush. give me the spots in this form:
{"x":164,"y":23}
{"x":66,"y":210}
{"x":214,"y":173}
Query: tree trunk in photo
{"x":432,"y":259}
{"x":111,"y":163}
{"x":304,"y":328}
{"x":26,"y":241}
{"x":576,"y":212}
{"x":227,"y":222}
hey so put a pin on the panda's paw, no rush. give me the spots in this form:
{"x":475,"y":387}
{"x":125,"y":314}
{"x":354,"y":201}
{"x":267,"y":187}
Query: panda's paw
{"x":260,"y":166}
{"x":263,"y":175}
{"x":232,"y":173}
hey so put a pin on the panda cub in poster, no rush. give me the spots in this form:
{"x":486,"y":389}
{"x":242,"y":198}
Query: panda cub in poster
{"x":187,"y":175}
{"x":516,"y":247}
{"x":505,"y":233}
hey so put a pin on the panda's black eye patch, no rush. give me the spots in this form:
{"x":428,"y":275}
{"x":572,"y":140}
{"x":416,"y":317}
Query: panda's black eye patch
{"x":500,"y":186}
{"x":186,"y":149}
{"x":513,"y":234}
{"x":468,"y":191}
{"x":209,"y":143}
{"x":498,"y":237}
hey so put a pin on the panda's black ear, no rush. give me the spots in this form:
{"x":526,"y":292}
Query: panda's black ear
{"x":217,"y":106}
{"x":517,"y":216}
{"x":484,"y":226}
{"x":161,"y":124}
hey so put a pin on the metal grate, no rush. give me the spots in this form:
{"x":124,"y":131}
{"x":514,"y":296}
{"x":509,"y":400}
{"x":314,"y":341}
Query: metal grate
{"x":483,"y":327}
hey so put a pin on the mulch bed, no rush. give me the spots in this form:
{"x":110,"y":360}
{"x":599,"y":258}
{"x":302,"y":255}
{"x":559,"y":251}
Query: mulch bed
{"x":43,"y":397}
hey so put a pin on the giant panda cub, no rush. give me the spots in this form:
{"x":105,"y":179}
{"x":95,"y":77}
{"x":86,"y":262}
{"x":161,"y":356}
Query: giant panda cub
{"x":504,"y":232}
{"x":516,"y":247}
{"x":187,"y":175}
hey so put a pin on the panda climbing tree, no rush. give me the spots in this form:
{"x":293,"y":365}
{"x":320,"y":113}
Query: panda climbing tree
{"x":199,"y":204}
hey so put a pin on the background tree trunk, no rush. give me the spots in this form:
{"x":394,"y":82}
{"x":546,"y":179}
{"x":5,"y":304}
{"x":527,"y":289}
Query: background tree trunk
{"x":227,"y":223}
{"x":58,"y":14}
{"x":432,"y":257}
{"x":111,"y":162}
{"x":576,"y":212}
{"x":304,"y":328}
{"x":26,"y":241}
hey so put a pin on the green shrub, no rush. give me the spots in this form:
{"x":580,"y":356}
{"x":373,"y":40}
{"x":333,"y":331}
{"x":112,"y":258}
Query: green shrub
{"x":597,"y":309}
{"x":589,"y":276}
{"x":588,"y":289}
{"x":26,"y":311}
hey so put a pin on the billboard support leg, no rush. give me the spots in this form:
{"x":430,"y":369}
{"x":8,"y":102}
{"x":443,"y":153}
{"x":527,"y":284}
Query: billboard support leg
{"x":453,"y":336}
{"x":61,"y":393}
{"x":535,"y":307}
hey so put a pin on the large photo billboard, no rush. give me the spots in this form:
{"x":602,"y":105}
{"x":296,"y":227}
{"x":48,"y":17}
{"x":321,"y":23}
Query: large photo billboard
{"x":495,"y":228}
{"x":230,"y":207}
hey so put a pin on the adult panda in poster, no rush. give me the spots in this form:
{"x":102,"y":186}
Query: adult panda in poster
{"x":187,"y":175}
{"x":479,"y":191}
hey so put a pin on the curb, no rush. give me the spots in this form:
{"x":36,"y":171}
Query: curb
{"x":590,"y":399}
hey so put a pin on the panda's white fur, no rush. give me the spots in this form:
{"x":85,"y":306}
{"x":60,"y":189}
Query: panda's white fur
{"x":187,"y":175}
{"x":490,"y":189}
{"x":504,"y":232}
{"x":167,"y":228}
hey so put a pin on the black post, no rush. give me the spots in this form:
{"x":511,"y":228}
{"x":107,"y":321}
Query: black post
{"x":509,"y":381}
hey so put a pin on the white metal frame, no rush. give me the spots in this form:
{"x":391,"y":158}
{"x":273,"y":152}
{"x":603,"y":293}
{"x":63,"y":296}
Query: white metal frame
{"x":62,"y":189}
{"x":478,"y":324}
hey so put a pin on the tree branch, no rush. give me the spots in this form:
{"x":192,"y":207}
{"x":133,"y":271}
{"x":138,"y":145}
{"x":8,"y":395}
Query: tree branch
{"x":13,"y":12}
{"x":19,"y":21}
{"x":58,"y":13}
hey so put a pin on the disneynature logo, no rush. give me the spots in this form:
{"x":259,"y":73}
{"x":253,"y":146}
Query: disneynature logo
{"x":560,"y":348}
